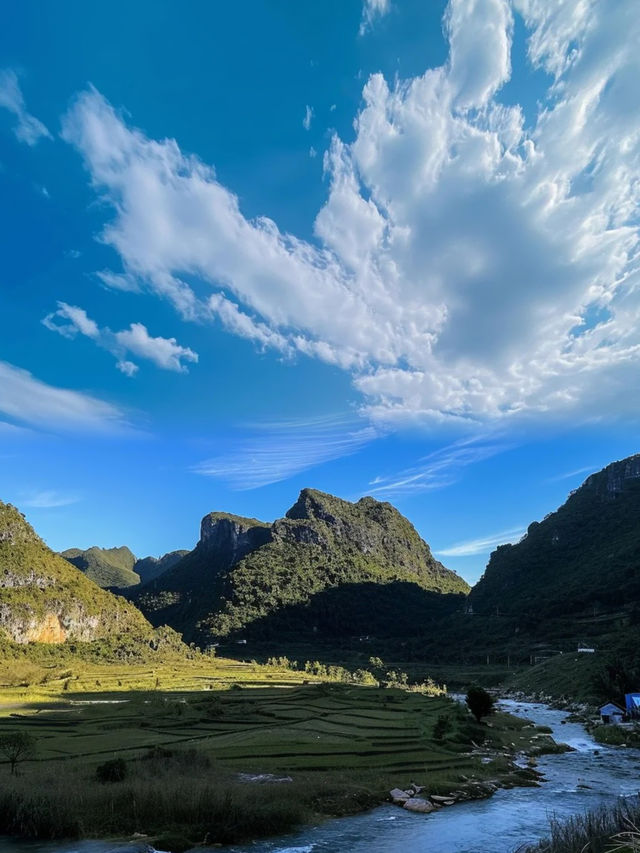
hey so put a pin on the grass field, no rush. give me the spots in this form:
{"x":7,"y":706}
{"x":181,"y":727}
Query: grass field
{"x":196,"y":738}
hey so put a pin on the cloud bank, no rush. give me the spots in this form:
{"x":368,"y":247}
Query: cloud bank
{"x":472,"y":263}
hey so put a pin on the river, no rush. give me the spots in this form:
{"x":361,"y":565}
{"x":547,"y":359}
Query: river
{"x":573,"y":782}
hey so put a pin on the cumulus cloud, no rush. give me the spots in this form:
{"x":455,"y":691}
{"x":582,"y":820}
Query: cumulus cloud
{"x":275,"y":452}
{"x":166,"y":353}
{"x":372,"y":9}
{"x":27,"y":128}
{"x":29,"y":400}
{"x":471,"y":263}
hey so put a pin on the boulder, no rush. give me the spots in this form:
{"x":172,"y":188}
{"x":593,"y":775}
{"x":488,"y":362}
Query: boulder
{"x":398,"y":796}
{"x":418,"y":804}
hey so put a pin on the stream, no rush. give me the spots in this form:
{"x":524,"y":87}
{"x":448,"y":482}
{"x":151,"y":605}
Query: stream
{"x":574,"y":782}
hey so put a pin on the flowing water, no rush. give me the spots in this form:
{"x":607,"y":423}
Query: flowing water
{"x":574,"y":782}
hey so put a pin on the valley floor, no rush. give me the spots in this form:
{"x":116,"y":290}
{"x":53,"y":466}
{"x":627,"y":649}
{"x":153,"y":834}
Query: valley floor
{"x":203,"y":746}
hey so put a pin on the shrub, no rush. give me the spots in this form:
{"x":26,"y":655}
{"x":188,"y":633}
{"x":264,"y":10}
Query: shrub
{"x":114,"y":770}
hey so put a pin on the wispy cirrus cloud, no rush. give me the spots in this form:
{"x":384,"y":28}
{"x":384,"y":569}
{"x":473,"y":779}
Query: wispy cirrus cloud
{"x":273,"y":452}
{"x":437,"y":470}
{"x":371,"y":10}
{"x":48,"y":499}
{"x":27,"y":128}
{"x":28,"y":400}
{"x":166,"y":353}
{"x":484,"y":544}
{"x":588,"y":469}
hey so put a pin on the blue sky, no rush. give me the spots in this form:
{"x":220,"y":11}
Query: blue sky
{"x":384,"y":247}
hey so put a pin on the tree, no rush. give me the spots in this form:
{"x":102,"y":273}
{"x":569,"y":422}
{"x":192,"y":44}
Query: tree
{"x":479,"y":702}
{"x":17,"y":747}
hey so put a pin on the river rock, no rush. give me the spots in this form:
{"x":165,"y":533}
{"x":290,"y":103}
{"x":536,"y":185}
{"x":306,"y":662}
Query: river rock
{"x":398,"y":796}
{"x":445,"y":801}
{"x":418,"y":804}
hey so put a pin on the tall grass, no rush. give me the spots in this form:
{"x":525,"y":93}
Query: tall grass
{"x":180,"y":792}
{"x":599,"y":831}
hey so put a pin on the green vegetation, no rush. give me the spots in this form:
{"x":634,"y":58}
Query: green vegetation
{"x":17,"y":746}
{"x":262,"y":579}
{"x":180,"y":762}
{"x":579,"y":564}
{"x":617,"y":735}
{"x":479,"y":702}
{"x":108,"y":567}
{"x":119,"y":568}
{"x":45,"y":599}
{"x":149,"y":568}
{"x":601,"y":831}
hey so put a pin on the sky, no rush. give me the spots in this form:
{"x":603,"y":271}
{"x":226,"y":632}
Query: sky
{"x":374,"y":247}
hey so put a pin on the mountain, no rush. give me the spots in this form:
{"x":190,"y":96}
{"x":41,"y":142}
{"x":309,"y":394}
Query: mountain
{"x":582,"y":559}
{"x":149,"y":568}
{"x":108,"y":567}
{"x":245,"y":574}
{"x":44,"y":599}
{"x":119,"y":568}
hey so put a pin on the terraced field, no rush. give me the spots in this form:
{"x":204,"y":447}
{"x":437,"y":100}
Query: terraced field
{"x":195,"y":747}
{"x":264,"y":729}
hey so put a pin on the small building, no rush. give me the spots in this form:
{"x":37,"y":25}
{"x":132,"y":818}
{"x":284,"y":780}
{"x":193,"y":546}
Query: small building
{"x":586,"y":650}
{"x":632,"y":704}
{"x":611,"y":714}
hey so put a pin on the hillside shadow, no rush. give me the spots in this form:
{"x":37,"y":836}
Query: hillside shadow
{"x":396,"y":609}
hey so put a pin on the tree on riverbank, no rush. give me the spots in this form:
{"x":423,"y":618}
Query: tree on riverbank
{"x":479,"y":702}
{"x":17,"y":747}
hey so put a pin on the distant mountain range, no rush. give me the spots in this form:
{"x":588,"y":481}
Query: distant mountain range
{"x":119,"y":568}
{"x":335,"y":569}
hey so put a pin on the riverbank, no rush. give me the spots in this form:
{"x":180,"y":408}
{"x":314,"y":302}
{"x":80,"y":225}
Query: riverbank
{"x":224,"y":766}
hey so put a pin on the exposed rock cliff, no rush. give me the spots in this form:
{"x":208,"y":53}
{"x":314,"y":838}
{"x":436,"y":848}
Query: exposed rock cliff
{"x":45,"y":599}
{"x":243,"y":570}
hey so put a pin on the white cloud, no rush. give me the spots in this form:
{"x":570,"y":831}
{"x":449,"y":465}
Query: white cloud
{"x":483,"y":545}
{"x":308,"y":116}
{"x":274,"y":452}
{"x":48,"y":499}
{"x":27,"y":128}
{"x":472,"y":263}
{"x":588,"y":469}
{"x":439,"y":469}
{"x":166,"y":353}
{"x":118,"y":281}
{"x":28,"y":400}
{"x":372,"y":9}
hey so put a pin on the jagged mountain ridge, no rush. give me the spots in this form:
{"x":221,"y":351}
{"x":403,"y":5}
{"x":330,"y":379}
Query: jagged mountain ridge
{"x":243,"y":571}
{"x":43,"y":598}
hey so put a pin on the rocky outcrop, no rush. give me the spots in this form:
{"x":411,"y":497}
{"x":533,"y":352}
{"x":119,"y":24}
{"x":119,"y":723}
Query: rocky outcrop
{"x":231,"y":537}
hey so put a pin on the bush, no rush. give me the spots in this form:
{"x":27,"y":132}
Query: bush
{"x":114,"y":770}
{"x":442,"y":727}
{"x":479,"y":702}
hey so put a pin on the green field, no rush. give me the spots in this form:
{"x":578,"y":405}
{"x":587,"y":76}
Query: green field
{"x":195,"y":737}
